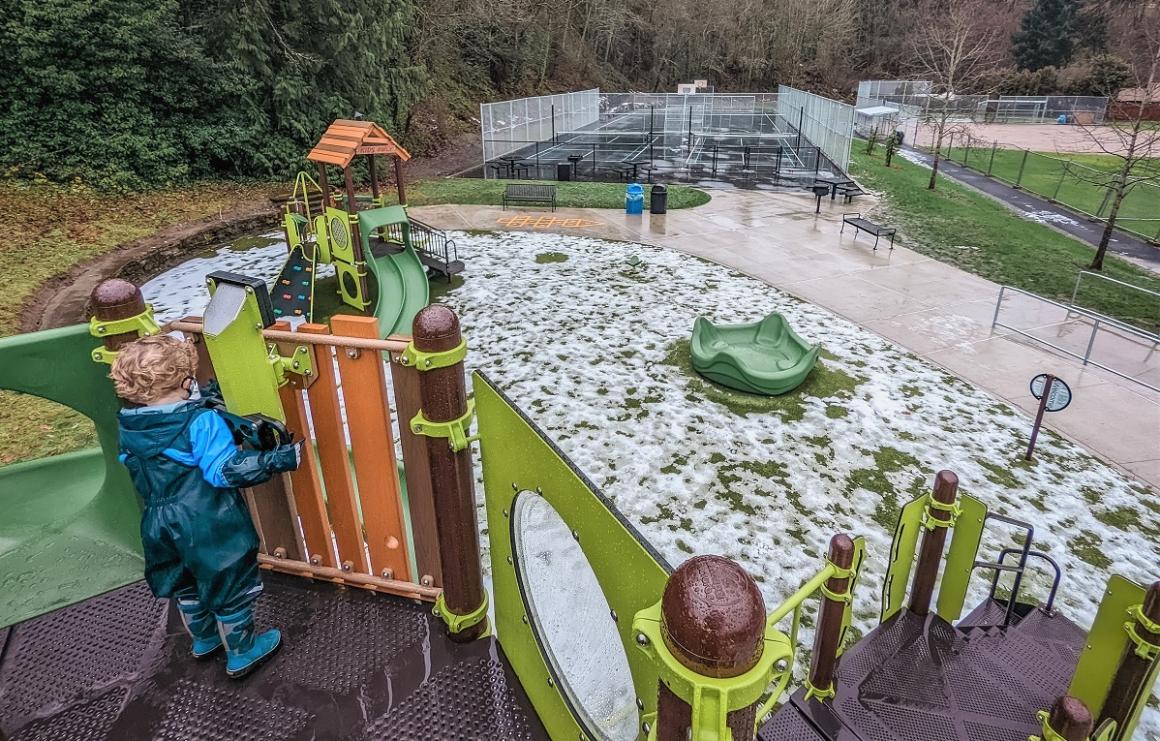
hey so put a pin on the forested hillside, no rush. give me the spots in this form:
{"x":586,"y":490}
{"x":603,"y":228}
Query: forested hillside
{"x":133,"y":92}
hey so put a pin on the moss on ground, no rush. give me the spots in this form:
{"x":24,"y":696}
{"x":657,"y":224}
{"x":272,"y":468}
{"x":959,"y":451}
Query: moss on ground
{"x":887,"y":460}
{"x":545,"y":258}
{"x":824,"y":382}
{"x":1087,"y":546}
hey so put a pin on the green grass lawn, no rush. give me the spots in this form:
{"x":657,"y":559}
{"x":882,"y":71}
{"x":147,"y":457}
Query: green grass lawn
{"x":54,"y":228}
{"x":958,"y":225}
{"x":568,"y":195}
{"x":1050,"y":176}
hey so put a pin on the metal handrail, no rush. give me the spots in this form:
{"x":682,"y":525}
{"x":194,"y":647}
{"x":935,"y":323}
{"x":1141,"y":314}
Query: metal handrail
{"x":1035,"y":554}
{"x":1000,"y":567}
{"x":1097,"y":319}
{"x":1134,"y":287}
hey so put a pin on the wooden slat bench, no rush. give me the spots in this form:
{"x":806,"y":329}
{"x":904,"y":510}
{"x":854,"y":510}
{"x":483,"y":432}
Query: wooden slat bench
{"x":542,"y":194}
{"x":864,"y":225}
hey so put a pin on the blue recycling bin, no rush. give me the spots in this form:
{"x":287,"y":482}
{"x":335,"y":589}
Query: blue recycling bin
{"x":634,"y":199}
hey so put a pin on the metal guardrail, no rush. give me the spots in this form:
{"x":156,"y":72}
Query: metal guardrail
{"x":1098,"y":320}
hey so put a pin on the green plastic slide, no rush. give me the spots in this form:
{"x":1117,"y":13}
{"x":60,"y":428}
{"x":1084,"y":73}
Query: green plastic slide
{"x":70,"y":524}
{"x":765,"y":357}
{"x":402,"y":290}
{"x":401,"y":287}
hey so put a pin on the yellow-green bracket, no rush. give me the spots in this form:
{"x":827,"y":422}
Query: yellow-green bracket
{"x":300,"y":362}
{"x":455,"y":431}
{"x":457,"y":623}
{"x":143,"y":324}
{"x":412,"y":357}
{"x":712,"y":698}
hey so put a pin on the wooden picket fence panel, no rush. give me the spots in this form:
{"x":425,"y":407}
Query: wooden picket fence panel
{"x":341,"y":515}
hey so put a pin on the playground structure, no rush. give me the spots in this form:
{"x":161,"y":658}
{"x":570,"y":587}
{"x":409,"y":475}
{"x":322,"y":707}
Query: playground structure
{"x":765,"y":357}
{"x":379,"y":254}
{"x":599,"y":636}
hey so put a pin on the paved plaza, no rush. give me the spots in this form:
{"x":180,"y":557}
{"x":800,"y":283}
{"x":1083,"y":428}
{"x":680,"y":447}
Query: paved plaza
{"x":932,"y":309}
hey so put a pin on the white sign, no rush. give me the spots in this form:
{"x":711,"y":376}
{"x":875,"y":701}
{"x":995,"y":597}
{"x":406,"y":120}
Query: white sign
{"x":1058,"y":398}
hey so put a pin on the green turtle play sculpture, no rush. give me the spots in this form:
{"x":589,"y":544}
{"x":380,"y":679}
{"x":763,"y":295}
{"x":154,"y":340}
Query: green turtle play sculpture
{"x":764,"y":357}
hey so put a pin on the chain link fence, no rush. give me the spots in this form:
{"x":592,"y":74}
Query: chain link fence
{"x":785,"y":138}
{"x":1087,"y":190}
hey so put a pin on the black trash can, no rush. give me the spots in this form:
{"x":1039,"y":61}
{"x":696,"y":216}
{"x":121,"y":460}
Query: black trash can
{"x":563,"y":171}
{"x":899,"y":135}
{"x":658,"y":200}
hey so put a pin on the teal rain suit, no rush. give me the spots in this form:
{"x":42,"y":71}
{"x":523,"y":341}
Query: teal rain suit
{"x":196,"y":529}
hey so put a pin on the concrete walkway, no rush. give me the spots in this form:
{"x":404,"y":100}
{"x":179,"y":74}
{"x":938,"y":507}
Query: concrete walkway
{"x":1044,"y":211}
{"x":932,"y":309}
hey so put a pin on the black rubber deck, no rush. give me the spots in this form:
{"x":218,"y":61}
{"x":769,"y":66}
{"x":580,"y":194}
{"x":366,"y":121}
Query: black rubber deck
{"x":915,"y":678}
{"x":355,"y":666}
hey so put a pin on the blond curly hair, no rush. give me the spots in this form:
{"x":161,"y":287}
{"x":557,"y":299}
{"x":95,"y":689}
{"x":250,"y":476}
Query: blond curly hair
{"x":149,"y":368}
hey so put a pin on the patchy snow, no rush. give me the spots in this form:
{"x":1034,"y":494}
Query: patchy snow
{"x":582,"y":346}
{"x":1048,"y":217}
{"x":912,"y":156}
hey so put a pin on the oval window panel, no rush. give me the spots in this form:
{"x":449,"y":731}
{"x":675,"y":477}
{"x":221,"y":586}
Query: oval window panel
{"x":572,"y":621}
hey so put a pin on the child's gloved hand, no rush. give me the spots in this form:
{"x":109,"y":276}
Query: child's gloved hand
{"x":283,"y":458}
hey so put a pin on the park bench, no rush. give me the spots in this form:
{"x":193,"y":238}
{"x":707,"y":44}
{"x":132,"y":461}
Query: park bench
{"x":541,"y":194}
{"x":865,"y":225}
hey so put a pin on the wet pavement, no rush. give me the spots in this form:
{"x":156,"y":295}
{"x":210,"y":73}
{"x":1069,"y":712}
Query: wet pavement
{"x":935,"y":310}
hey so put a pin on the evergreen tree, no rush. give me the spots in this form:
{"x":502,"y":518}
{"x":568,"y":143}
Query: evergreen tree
{"x":1046,"y":35}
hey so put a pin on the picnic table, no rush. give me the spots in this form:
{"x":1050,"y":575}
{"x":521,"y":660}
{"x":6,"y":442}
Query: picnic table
{"x":635,"y":166}
{"x":834,"y":183}
{"x":514,"y":162}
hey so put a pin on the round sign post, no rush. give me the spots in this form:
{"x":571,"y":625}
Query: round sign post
{"x":1054,"y":396}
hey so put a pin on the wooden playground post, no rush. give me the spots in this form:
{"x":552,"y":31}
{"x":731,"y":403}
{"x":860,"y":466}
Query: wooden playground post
{"x":115,"y":299}
{"x":1070,"y":719}
{"x":325,"y":185}
{"x":374,"y":178}
{"x":824,"y":659}
{"x":399,"y":181}
{"x":946,"y":485}
{"x":443,"y":394}
{"x":713,"y":622}
{"x":1130,"y":680}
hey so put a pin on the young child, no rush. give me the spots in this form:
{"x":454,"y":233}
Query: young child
{"x":200,"y":545}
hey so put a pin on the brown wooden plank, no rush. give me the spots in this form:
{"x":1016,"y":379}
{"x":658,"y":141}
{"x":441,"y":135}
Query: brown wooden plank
{"x":369,"y":421}
{"x":318,"y":155}
{"x":423,"y":529}
{"x":332,"y":454}
{"x":274,"y":518}
{"x":305,"y":482}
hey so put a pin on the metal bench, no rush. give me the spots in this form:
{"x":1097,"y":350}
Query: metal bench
{"x":864,"y":225}
{"x":542,"y":194}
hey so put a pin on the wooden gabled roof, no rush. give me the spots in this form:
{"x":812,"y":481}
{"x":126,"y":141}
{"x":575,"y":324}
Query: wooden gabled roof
{"x":344,"y":139}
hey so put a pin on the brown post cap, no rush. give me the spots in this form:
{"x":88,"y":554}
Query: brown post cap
{"x":946,"y":486}
{"x":114,"y":298}
{"x":713,"y":617}
{"x":435,"y":328}
{"x":1071,"y":719}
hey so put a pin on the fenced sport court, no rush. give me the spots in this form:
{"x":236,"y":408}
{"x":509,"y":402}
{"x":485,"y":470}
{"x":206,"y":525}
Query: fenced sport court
{"x":787,"y":138}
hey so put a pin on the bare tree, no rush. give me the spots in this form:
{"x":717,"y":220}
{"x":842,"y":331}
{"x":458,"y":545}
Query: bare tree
{"x":1134,"y":139}
{"x":954,"y":50}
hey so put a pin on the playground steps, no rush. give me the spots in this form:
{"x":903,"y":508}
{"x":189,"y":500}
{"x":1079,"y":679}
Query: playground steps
{"x":917,"y":678}
{"x":356,"y":665}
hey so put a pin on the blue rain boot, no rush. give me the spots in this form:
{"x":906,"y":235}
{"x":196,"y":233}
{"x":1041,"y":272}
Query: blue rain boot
{"x":201,"y":626}
{"x":245,"y":648}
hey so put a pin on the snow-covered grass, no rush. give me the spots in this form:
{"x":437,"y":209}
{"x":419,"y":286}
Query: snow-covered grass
{"x":594,"y":349}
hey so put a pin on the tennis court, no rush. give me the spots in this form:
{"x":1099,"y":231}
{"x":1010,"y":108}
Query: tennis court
{"x":742,"y":140}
